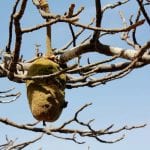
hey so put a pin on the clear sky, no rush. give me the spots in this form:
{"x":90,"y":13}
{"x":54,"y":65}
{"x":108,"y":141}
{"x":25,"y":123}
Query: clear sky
{"x":120,"y":102}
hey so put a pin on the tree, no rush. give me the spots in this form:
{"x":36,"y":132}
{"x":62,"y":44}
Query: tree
{"x":73,"y":60}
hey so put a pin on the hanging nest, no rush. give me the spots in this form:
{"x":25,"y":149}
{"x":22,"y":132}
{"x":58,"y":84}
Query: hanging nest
{"x":46,"y":96}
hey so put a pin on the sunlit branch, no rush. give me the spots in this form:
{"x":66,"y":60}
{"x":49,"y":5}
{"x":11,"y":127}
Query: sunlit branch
{"x":128,"y":54}
{"x":125,"y":35}
{"x":112,"y":6}
{"x":110,"y":77}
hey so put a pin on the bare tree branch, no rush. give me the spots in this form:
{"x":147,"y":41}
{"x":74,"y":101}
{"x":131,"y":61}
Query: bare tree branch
{"x":98,"y":18}
{"x":134,"y":31}
{"x":61,"y":50}
{"x":103,"y":49}
{"x":25,"y":144}
{"x":16,"y":96}
{"x":89,"y":132}
{"x":54,"y":21}
{"x":17,"y":16}
{"x":8,"y":98}
{"x":112,"y":6}
{"x":73,"y":22}
{"x":10,"y":145}
{"x":122,"y":73}
{"x":8,"y":47}
{"x":140,"y":2}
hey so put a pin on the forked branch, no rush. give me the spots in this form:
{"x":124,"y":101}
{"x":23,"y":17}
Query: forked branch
{"x":10,"y":144}
{"x":7,"y":97}
{"x":86,"y":129}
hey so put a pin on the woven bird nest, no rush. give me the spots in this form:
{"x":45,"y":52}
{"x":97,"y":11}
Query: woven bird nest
{"x":46,"y":96}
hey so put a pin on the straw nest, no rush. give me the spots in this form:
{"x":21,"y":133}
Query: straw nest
{"x":46,"y":96}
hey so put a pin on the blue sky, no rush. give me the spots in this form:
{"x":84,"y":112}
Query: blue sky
{"x":121,"y":102}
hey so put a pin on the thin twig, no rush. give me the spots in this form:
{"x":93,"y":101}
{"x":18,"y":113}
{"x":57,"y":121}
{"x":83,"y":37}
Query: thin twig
{"x":112,"y":6}
{"x":25,"y":144}
{"x":73,"y":22}
{"x":16,"y":96}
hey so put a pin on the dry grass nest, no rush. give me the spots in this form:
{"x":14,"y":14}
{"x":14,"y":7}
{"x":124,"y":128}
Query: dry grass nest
{"x":46,"y":96}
